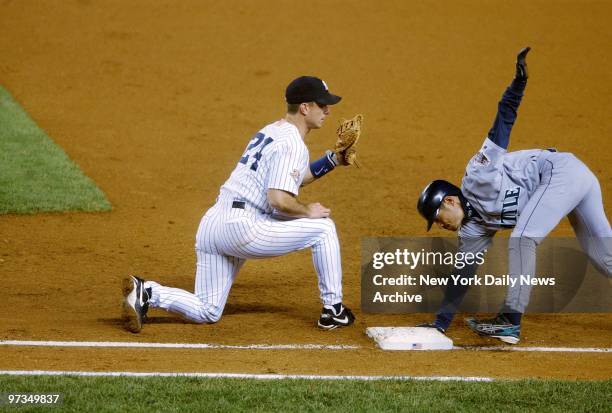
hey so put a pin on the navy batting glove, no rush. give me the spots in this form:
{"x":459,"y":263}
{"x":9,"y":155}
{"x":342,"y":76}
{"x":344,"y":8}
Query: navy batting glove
{"x":521,"y":64}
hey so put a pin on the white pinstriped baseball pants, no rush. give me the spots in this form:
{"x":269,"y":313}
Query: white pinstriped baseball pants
{"x":228,"y":236}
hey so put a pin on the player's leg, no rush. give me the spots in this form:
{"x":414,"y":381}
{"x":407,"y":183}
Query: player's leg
{"x":561,"y":188}
{"x":214,"y":277}
{"x":328,"y":264}
{"x":562,"y":185}
{"x":593,"y":228}
{"x":215,"y":274}
{"x":269,"y":237}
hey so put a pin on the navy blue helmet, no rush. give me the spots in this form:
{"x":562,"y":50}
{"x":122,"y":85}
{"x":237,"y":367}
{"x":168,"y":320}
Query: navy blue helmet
{"x":431,"y":198}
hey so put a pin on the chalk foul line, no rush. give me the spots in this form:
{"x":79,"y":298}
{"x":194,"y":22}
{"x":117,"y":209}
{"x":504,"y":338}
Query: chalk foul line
{"x":538,"y":349}
{"x":235,"y":375}
{"x":128,"y":344}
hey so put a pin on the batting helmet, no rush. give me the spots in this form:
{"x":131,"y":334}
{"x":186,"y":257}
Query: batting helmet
{"x":431,"y":198}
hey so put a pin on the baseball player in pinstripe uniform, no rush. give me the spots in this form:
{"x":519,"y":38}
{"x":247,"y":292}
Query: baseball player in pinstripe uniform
{"x":257,"y":215}
{"x":527,"y":191}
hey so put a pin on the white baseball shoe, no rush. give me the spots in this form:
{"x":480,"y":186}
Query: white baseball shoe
{"x":135,"y":303}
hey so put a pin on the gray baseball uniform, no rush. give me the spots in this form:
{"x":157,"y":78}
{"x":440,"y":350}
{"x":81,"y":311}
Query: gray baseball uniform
{"x":530,"y":192}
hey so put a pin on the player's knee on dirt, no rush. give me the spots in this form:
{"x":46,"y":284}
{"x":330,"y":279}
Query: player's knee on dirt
{"x":208,"y":317}
{"x":206,"y":314}
{"x":213,"y":320}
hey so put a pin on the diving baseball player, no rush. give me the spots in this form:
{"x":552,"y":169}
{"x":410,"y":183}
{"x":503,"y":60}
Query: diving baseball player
{"x":257,"y":215}
{"x":527,"y":191}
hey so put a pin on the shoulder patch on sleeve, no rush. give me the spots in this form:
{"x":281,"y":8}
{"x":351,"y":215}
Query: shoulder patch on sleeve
{"x":481,"y":159}
{"x":295,"y":174}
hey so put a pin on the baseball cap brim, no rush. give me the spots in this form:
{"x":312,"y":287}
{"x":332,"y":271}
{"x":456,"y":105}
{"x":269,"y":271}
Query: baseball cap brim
{"x":328,"y":99}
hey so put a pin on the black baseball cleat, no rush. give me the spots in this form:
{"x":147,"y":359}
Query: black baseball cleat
{"x":135,"y":303}
{"x":334,"y":316}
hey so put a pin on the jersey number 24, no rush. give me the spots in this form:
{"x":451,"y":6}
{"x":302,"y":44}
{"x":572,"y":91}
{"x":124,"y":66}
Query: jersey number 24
{"x":258,"y":143}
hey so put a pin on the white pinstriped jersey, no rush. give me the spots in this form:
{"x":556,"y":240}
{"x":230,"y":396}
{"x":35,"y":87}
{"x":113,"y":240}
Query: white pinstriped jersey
{"x":229,"y":235}
{"x":275,"y":158}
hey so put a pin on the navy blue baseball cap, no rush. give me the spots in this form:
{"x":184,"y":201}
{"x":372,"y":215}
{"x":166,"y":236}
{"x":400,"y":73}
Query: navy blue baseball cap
{"x":310,"y":89}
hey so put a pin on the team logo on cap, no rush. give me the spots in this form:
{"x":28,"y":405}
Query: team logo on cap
{"x":324,"y":84}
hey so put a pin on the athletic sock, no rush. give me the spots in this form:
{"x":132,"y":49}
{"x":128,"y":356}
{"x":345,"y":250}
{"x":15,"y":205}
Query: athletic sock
{"x":443,"y":320}
{"x":337,"y":308}
{"x":514,"y":318}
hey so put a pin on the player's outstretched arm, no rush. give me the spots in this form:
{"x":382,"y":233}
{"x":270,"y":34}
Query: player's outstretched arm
{"x":288,"y":205}
{"x":510,"y":101}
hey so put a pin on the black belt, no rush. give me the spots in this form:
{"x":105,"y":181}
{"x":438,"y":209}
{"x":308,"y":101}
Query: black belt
{"x":238,"y":204}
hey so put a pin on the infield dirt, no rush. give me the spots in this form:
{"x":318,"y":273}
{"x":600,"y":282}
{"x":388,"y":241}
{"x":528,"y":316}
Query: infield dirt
{"x":156,"y":100}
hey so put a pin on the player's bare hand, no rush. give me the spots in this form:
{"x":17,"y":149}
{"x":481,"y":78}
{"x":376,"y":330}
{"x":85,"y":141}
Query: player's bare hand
{"x":521,"y":64}
{"x":316,"y":210}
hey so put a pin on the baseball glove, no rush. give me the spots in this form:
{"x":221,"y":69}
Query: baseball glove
{"x":348,"y":134}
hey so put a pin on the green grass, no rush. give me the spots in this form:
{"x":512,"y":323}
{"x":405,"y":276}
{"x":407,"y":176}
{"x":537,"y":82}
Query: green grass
{"x":150,"y":394}
{"x":35,"y":174}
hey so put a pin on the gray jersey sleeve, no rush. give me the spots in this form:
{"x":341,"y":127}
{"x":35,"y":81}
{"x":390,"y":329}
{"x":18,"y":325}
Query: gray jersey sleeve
{"x":483,"y":176}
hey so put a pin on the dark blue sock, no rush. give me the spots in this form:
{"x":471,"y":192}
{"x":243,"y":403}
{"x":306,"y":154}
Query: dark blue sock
{"x":443,"y":320}
{"x":514,"y":318}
